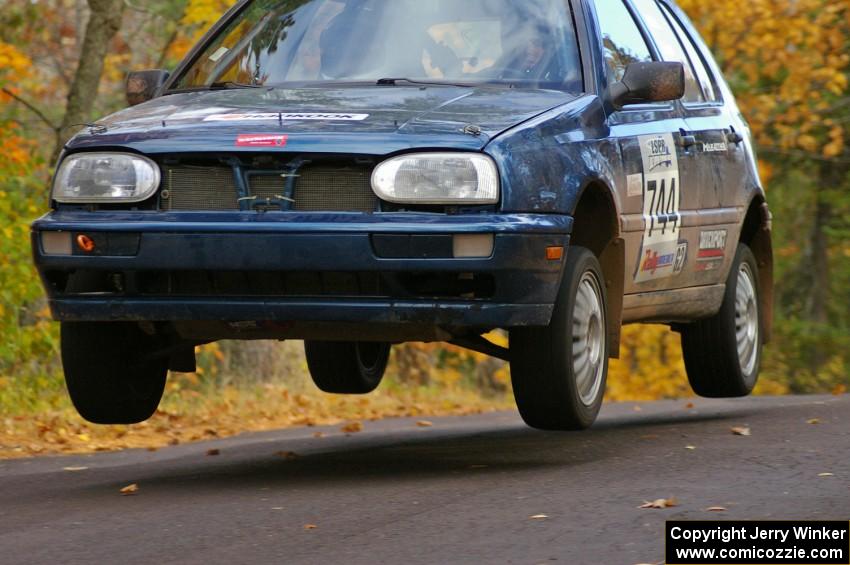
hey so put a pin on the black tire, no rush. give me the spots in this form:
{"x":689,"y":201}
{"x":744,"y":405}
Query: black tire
{"x":107,"y":379}
{"x":347,"y":367}
{"x":716,"y":368}
{"x":545,"y":375}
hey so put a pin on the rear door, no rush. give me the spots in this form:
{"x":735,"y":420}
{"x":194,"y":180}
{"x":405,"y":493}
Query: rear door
{"x":722,"y":153}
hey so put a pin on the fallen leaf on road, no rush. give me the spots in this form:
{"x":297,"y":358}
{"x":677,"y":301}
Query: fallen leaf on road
{"x":690,"y":406}
{"x":353,"y":428}
{"x":813,"y":421}
{"x":153,"y":449}
{"x":75,"y":469}
{"x":288,"y":455}
{"x":130,"y":490}
{"x":425,"y":424}
{"x":716,"y":509}
{"x":538,"y":517}
{"x":660,"y":504}
{"x":826,"y":475}
{"x":690,"y":447}
{"x":638,"y":409}
{"x":213,"y":452}
{"x":318,"y":435}
{"x":839,"y":390}
{"x":742,"y":431}
{"x":311,"y":527}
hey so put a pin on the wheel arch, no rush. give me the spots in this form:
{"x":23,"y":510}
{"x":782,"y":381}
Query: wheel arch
{"x":756,"y":233}
{"x":596,"y":202}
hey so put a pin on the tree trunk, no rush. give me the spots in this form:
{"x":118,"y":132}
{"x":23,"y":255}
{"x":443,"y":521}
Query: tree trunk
{"x":104,"y":22}
{"x":817,"y":310}
{"x":816,"y":263}
{"x":832,"y":178}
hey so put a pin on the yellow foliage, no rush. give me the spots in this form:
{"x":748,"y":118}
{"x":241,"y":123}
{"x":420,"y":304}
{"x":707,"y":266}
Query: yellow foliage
{"x":651,"y":366}
{"x":14,"y":66}
{"x":199,"y":16}
{"x":204,"y":13}
{"x":787,"y":61}
{"x":16,"y":151}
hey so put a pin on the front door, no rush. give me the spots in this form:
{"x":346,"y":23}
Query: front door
{"x":659,"y":193}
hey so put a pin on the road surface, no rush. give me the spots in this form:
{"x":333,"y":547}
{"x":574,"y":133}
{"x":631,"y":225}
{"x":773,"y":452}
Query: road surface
{"x":462,"y":491}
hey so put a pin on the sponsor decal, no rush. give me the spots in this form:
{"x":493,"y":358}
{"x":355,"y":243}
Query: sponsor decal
{"x":261,"y":140}
{"x":655,"y":262}
{"x":219,"y":53}
{"x":661,"y":201}
{"x":715,"y":147}
{"x":197,"y":114}
{"x":681,"y":258}
{"x":284,"y":117}
{"x":712,"y":249}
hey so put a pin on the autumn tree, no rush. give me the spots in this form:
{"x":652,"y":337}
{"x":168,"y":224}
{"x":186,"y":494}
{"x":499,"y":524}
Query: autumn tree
{"x":104,"y":21}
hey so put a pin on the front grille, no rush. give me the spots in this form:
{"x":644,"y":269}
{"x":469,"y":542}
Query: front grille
{"x":314,"y":188}
{"x":322,"y":189}
{"x":281,"y":284}
{"x":199,"y":188}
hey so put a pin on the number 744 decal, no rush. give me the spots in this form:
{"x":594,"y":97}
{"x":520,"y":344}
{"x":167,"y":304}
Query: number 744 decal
{"x":663,"y":254}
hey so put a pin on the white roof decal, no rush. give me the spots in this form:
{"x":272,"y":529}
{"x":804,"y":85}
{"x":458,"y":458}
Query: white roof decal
{"x":269,"y":116}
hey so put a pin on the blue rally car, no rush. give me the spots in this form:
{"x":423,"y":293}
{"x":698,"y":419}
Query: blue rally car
{"x":363,"y":173}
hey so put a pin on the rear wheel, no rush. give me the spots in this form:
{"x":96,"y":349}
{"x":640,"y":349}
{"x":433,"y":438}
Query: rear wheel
{"x":559,"y":372}
{"x":723,"y":353}
{"x":347,"y":367}
{"x":108,"y":372}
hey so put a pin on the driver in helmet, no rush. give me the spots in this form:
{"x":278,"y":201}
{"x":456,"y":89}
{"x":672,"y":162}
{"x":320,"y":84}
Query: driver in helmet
{"x":532,"y":57}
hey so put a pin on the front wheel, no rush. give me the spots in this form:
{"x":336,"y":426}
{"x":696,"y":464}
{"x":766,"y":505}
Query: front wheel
{"x":110,"y":374}
{"x":559,"y":372}
{"x":723,"y":353}
{"x":347,"y":367}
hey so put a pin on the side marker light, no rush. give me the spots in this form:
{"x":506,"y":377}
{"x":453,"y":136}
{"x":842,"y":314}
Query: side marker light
{"x":85,"y":243}
{"x":554,"y":253}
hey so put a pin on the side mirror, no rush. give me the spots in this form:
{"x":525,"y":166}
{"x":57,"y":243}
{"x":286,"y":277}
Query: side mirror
{"x":649,"y":82}
{"x":144,"y":85}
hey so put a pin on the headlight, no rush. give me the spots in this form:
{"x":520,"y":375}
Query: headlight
{"x":437,"y":178}
{"x":105,"y":177}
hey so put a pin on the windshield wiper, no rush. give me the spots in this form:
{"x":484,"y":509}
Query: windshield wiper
{"x":227,"y":85}
{"x":223,"y":85}
{"x":395,"y":81}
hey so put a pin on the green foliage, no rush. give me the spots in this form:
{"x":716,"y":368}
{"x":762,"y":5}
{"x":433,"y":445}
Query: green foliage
{"x":808,"y":357}
{"x":30,"y":378}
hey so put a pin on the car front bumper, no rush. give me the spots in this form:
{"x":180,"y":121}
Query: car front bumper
{"x":240,"y":248}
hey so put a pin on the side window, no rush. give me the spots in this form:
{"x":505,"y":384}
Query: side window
{"x":697,"y":61}
{"x":669,"y":46}
{"x":624,"y":44}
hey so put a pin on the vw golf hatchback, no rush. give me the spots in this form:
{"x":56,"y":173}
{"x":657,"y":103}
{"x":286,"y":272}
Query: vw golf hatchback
{"x":363,"y":173}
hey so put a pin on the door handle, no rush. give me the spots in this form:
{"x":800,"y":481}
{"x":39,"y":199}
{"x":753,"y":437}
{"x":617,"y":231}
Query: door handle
{"x":687,"y":141}
{"x":734,"y":137}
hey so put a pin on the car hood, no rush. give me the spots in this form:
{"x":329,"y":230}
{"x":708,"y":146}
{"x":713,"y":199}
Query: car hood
{"x":363,"y":120}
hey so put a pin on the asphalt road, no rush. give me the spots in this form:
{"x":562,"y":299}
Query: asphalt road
{"x":462,"y":491}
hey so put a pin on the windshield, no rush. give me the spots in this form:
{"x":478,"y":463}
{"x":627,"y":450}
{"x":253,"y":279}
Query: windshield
{"x":275,"y":42}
